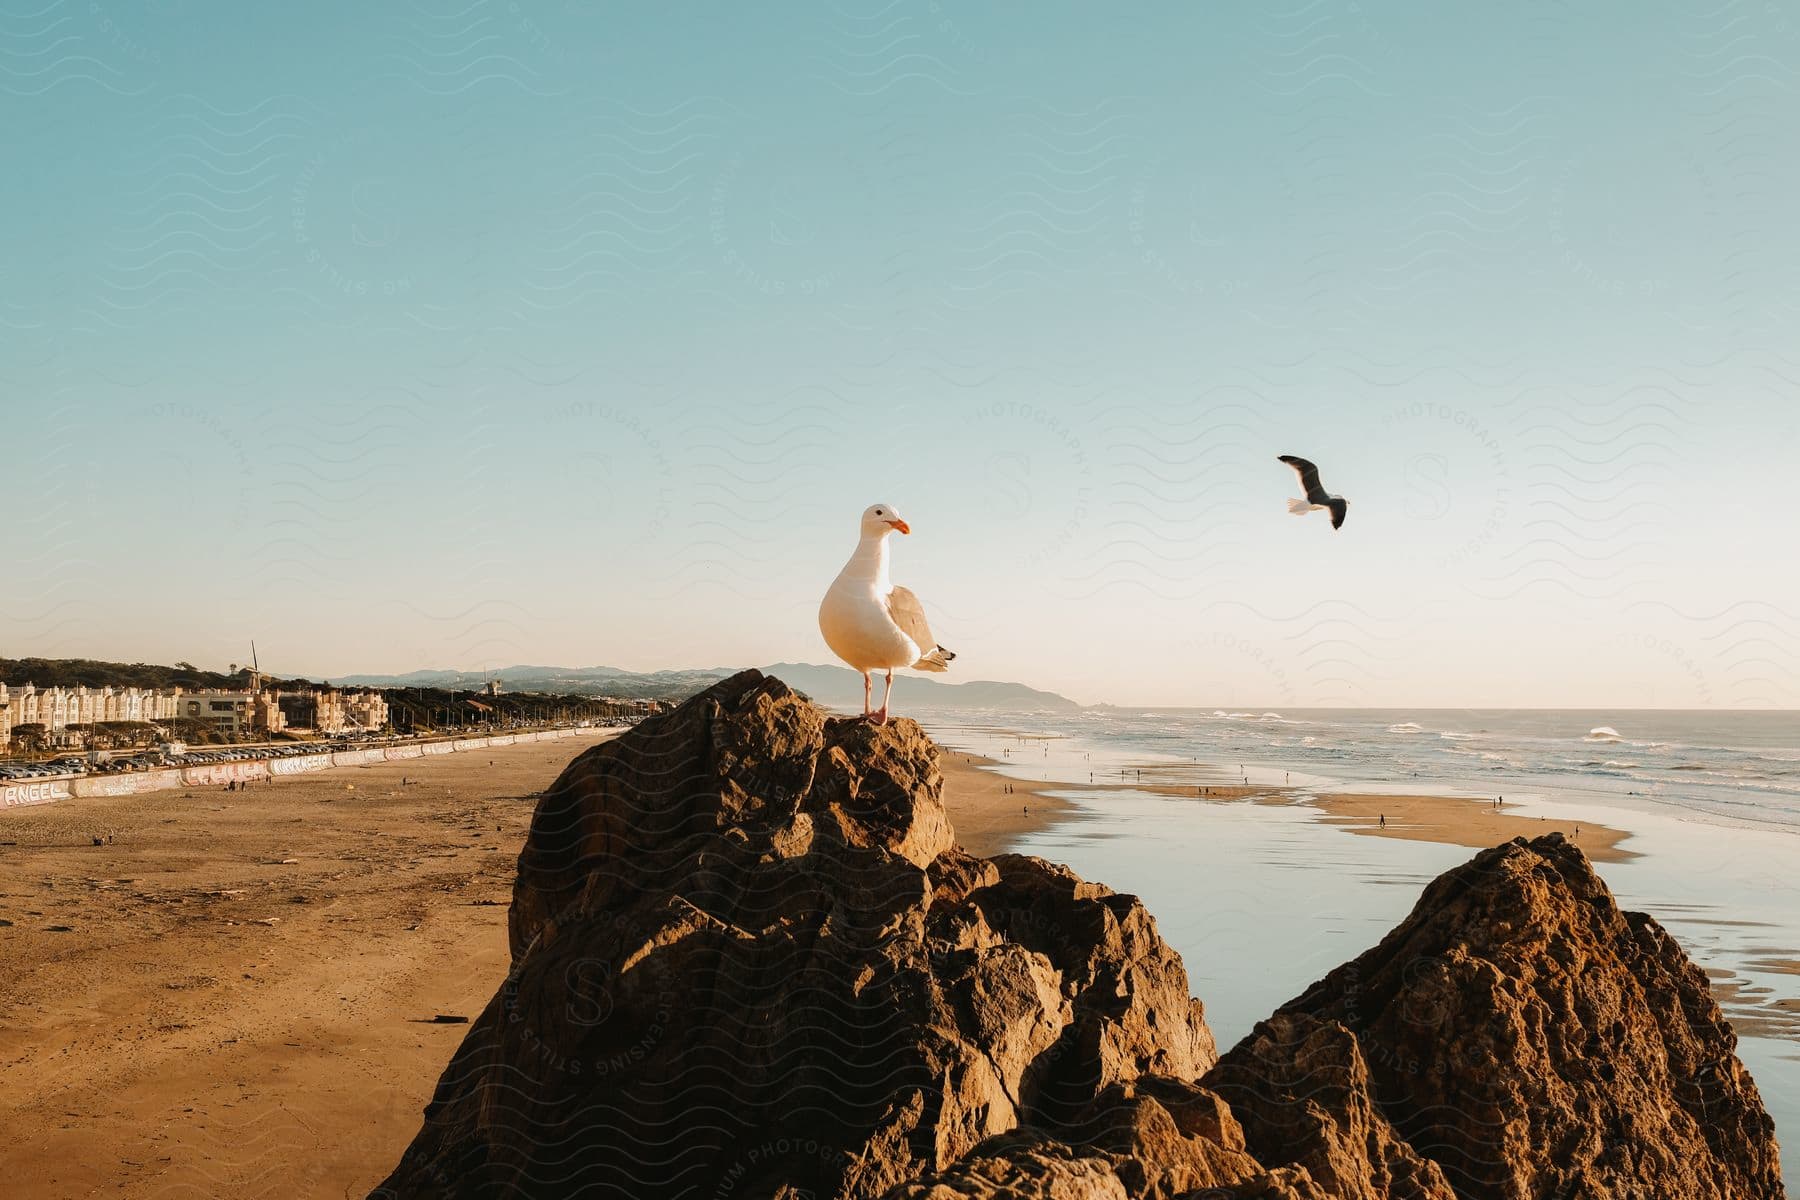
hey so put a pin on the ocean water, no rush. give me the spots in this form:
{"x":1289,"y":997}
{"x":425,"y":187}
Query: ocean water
{"x":1263,"y":899}
{"x":1740,"y":768}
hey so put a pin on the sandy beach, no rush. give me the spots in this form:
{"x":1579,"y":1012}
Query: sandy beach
{"x":987,"y":816}
{"x":1459,"y":821}
{"x":237,"y":993}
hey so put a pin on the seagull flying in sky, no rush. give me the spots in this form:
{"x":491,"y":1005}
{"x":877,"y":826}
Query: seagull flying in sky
{"x":872,"y":624}
{"x":1316,"y":495}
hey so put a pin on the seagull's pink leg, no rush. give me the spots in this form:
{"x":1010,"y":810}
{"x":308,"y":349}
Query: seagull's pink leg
{"x":881,"y":716}
{"x":866,"y":686}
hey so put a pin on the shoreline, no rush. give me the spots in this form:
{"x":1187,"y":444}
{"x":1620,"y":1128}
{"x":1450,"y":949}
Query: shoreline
{"x":988,"y":819}
{"x":1745,"y":986}
{"x":977,"y":803}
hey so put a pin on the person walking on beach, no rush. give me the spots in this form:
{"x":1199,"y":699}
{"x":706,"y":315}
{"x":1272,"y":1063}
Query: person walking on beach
{"x":1384,"y":820}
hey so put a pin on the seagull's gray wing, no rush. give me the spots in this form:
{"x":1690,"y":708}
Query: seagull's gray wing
{"x":909,"y":615}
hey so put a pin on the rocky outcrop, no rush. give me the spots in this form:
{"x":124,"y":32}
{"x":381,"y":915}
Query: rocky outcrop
{"x":750,"y":962}
{"x":1530,"y":1038}
{"x":1302,"y":1093}
{"x":1154,"y":1138}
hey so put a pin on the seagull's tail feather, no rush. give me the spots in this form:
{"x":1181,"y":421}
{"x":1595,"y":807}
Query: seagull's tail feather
{"x":1299,"y":507}
{"x":937,"y":660}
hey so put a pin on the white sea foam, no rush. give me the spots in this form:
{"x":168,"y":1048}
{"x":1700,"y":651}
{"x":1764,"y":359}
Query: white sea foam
{"x":1406,"y":727}
{"x":1603,"y":733}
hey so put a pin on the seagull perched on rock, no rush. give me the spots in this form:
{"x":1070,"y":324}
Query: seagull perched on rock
{"x":872,"y":624}
{"x":1316,"y":495}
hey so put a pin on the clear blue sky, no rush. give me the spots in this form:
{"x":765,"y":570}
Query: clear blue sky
{"x":471,"y":333}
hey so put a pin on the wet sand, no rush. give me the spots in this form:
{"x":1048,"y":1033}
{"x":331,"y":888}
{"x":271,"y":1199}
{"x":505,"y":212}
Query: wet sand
{"x":1459,"y":821}
{"x":1448,"y":820}
{"x":1755,"y":1009}
{"x":235,"y":995}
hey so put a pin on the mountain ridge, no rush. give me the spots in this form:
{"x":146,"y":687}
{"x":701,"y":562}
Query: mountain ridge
{"x":836,"y":686}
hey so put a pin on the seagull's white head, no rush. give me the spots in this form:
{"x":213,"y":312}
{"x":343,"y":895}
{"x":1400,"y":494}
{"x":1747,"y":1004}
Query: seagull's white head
{"x":879,"y":520}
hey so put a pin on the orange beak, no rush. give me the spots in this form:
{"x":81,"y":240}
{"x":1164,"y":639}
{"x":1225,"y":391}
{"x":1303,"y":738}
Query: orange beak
{"x":902,"y":526}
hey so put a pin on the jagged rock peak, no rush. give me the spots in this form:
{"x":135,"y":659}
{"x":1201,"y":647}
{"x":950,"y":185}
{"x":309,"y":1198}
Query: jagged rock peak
{"x":747,"y":953}
{"x":1530,"y":1038}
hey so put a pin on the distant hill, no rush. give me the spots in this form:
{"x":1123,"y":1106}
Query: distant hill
{"x":841,"y":687}
{"x":836,"y":686}
{"x":88,"y":672}
{"x":581,"y":681}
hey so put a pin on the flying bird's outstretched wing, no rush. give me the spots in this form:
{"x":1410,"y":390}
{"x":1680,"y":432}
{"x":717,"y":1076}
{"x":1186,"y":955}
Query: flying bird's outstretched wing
{"x":1309,"y":479}
{"x":909,"y":615}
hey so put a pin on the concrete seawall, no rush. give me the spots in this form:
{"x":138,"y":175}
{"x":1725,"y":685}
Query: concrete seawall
{"x":27,"y":793}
